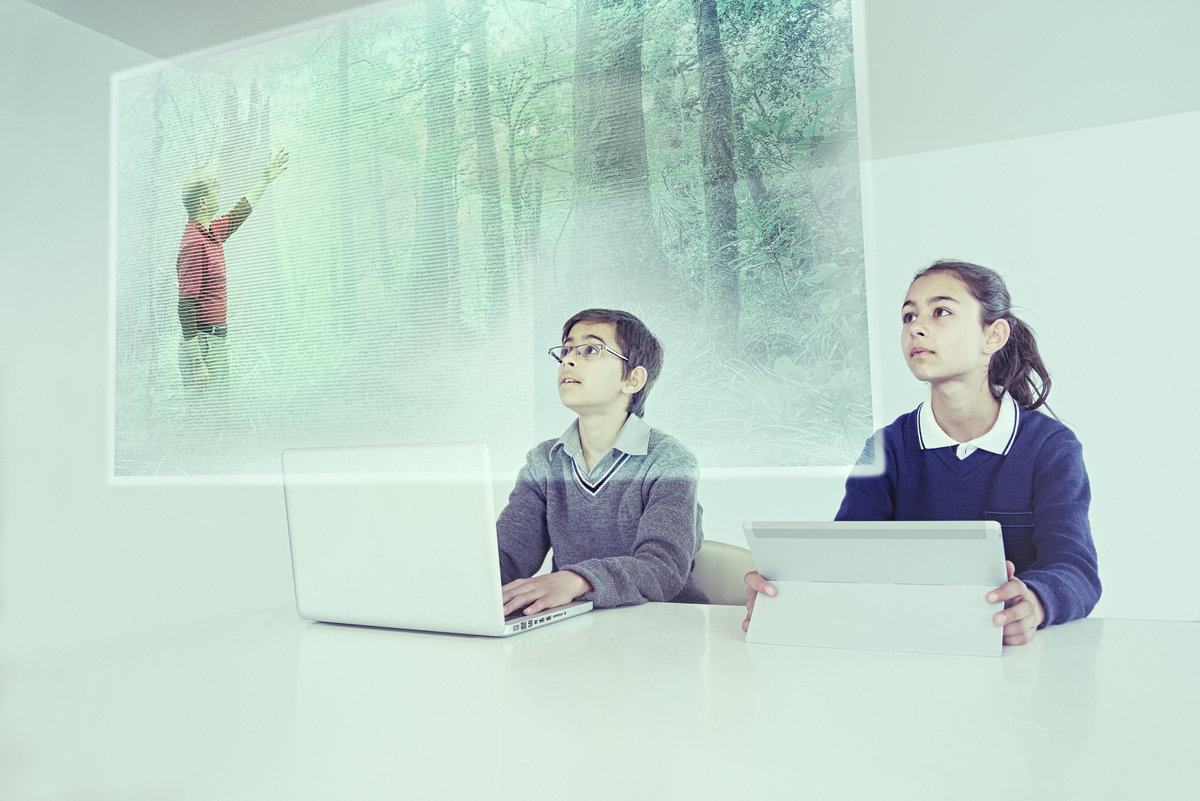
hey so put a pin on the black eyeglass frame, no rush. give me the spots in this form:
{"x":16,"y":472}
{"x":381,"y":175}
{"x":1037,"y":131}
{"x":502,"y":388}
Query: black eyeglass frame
{"x":560,"y":352}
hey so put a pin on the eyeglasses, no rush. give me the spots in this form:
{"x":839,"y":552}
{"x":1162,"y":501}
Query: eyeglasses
{"x":587,"y":351}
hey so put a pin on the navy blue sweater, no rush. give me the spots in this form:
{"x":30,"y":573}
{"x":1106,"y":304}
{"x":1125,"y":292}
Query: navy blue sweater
{"x":1039,"y":493}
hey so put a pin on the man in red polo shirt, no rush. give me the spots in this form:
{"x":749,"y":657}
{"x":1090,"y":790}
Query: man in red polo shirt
{"x":203,"y":360}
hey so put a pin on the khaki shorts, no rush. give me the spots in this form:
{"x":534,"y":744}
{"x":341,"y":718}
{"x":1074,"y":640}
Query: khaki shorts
{"x":214,"y":355}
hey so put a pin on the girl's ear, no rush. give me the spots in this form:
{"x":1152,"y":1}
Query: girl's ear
{"x":635,"y":380}
{"x":997,"y":335}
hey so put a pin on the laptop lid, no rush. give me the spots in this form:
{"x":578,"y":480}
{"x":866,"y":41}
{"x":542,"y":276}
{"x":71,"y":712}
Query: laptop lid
{"x":879,"y":585}
{"x":400,"y":536}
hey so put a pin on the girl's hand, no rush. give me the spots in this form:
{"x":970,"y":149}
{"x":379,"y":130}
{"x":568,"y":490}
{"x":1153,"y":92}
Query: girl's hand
{"x":543,"y":592}
{"x":1023,"y":611}
{"x":754,"y":585}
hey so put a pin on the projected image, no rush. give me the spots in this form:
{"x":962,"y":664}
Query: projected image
{"x":372,"y":230}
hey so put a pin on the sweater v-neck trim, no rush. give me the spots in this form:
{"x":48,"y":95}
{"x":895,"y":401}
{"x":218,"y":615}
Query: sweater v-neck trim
{"x":963,"y":467}
{"x":591,"y":487}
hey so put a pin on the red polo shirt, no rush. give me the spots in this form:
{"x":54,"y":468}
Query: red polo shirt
{"x":201,"y":263}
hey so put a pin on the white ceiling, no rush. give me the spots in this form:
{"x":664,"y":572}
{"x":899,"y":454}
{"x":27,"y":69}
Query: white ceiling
{"x":936,"y":73}
{"x":168,"y":28}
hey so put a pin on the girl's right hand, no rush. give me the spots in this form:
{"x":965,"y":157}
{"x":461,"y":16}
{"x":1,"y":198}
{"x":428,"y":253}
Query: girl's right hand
{"x":754,"y":585}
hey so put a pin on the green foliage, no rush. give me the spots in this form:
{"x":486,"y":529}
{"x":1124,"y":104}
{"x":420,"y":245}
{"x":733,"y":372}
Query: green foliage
{"x":327,"y":283}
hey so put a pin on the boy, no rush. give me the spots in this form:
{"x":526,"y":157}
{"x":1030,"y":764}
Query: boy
{"x":613,"y":498}
{"x":200,"y":266}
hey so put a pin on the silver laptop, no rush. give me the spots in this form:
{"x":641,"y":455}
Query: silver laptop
{"x":400,"y":536}
{"x":891,"y":586}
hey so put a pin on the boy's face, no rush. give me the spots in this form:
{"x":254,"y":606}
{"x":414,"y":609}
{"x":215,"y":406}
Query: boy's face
{"x":593,"y":385}
{"x":212,"y":198}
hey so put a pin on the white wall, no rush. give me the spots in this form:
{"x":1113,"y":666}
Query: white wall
{"x":79,"y":557}
{"x":1089,"y":226}
{"x":1084,"y":197}
{"x":1089,"y":229}
{"x":951,"y":73}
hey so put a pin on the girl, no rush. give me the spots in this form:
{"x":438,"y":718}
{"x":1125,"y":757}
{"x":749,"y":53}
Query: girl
{"x":978,"y":450}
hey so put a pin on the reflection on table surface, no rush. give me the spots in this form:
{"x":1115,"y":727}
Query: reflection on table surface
{"x":662,"y":701}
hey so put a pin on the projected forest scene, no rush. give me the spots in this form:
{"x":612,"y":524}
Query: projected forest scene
{"x":463,"y":176}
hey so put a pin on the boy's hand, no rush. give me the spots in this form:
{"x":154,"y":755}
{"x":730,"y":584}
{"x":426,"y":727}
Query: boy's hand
{"x":1023,"y":611}
{"x":191,"y":350}
{"x":754,"y":585}
{"x":276,"y":164}
{"x":542,"y":592}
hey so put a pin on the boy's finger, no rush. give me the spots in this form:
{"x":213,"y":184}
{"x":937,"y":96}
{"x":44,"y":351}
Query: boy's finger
{"x":536,"y":606}
{"x":518,"y":598}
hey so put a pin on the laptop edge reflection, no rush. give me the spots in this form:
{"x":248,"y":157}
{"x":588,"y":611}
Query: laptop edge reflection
{"x":399,"y":536}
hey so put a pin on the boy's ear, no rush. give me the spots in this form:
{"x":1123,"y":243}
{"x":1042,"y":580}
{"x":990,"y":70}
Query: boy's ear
{"x":635,"y":380}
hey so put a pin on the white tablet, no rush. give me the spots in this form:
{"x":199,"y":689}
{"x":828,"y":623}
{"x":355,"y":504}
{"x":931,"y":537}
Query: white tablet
{"x":879,"y":585}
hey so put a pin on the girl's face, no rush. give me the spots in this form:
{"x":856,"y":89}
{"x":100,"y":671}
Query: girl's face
{"x":942,"y":334}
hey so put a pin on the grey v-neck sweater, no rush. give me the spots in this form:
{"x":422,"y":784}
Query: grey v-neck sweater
{"x":631,"y":526}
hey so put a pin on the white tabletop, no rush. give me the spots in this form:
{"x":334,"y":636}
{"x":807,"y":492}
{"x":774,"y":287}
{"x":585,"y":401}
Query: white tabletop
{"x":660,"y":701}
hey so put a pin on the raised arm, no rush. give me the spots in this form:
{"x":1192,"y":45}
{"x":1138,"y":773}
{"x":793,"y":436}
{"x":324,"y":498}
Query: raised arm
{"x":275,"y":165}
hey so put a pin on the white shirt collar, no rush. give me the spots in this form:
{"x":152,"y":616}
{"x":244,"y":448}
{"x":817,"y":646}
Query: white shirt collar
{"x":633,"y":439}
{"x":998,"y":439}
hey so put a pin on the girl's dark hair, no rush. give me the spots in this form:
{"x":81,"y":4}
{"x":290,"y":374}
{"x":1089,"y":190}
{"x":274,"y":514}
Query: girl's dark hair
{"x":637,"y":344}
{"x":1017,"y":368}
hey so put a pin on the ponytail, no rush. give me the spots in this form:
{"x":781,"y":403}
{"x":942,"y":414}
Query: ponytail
{"x":1017,"y":368}
{"x":1013,"y":368}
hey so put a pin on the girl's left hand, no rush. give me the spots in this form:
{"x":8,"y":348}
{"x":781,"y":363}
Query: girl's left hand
{"x":1023,"y":611}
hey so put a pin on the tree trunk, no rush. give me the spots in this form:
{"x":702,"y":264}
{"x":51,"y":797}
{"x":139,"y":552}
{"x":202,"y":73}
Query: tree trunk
{"x":721,"y":297}
{"x":437,"y":231}
{"x":617,"y":253}
{"x":492,"y":223}
{"x":343,"y":268}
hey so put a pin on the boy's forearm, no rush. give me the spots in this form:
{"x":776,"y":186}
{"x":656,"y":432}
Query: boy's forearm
{"x":660,"y":563}
{"x":256,"y":192}
{"x":187,"y":317}
{"x":521,"y":530}
{"x":652,"y":573}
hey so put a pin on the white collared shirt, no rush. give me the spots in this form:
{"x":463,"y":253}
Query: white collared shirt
{"x":998,"y":439}
{"x":632,"y":440}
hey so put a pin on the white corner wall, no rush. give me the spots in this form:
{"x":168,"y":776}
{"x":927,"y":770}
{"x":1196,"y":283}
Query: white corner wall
{"x":80,"y":558}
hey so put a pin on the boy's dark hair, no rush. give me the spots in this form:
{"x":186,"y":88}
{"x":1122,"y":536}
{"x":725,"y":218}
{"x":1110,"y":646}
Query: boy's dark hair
{"x":1013,"y":367}
{"x":636,"y":343}
{"x":195,"y":188}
